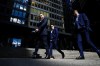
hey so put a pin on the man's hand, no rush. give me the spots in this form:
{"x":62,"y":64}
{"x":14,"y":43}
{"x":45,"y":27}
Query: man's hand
{"x":36,"y":30}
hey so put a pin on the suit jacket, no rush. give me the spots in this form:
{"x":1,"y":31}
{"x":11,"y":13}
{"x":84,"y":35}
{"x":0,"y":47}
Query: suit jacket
{"x":54,"y":34}
{"x":82,"y":22}
{"x":42,"y":26}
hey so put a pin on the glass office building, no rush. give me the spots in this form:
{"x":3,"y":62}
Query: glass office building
{"x":19,"y":12}
{"x":14,"y":21}
{"x":52,"y":9}
{"x":21,"y":17}
{"x":15,"y":11}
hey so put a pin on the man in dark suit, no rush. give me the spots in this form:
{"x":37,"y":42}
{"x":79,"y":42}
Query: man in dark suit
{"x":53,"y":42}
{"x":42,"y":34}
{"x":83,"y":27}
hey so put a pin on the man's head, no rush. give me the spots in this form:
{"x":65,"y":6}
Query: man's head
{"x":52,"y":27}
{"x":76,"y":12}
{"x":41,"y":16}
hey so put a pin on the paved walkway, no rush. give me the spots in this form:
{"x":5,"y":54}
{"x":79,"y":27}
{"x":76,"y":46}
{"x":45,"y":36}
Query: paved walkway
{"x":18,"y":57}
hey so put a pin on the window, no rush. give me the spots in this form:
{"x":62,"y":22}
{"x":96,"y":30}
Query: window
{"x":36,"y":5}
{"x":42,"y":6}
{"x":17,"y":20}
{"x":24,"y":14}
{"x":20,"y":6}
{"x":31,"y":23}
{"x":31,"y":16}
{"x":32,"y":10}
{"x":34,"y":24}
{"x":45,"y":7}
{"x":39,"y":5}
{"x":16,"y":42}
{"x":53,"y":15}
{"x":23,"y":1}
{"x":15,"y":13}
{"x":33,"y":3}
{"x":19,"y":14}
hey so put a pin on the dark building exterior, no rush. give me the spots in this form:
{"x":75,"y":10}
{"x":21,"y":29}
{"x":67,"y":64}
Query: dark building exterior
{"x":53,"y":10}
{"x":19,"y":17}
{"x":13,"y":22}
{"x":14,"y":11}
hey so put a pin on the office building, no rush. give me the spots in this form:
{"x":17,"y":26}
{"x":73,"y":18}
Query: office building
{"x":14,"y":21}
{"x":52,"y":9}
{"x":20,"y":17}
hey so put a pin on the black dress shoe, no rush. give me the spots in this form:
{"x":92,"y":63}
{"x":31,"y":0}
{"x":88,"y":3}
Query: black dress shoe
{"x":80,"y":57}
{"x":98,"y":53}
{"x":63,"y":55}
{"x":50,"y":57}
{"x":36,"y":56}
{"x":46,"y":57}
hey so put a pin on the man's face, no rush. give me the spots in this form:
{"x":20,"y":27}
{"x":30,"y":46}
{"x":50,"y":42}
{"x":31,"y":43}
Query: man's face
{"x":52,"y":26}
{"x":75,"y":12}
{"x":41,"y":16}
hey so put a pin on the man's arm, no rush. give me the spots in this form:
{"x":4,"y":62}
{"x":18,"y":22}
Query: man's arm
{"x":87,"y":22}
{"x":43,"y":24}
{"x":55,"y":33}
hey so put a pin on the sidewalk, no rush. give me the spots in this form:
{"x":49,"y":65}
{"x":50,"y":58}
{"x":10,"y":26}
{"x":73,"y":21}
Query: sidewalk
{"x":20,"y":58}
{"x":27,"y":53}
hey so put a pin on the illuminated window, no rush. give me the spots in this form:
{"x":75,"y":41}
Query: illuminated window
{"x":16,"y":42}
{"x":33,"y":3}
{"x":16,"y":20}
{"x":19,"y":14}
{"x":23,"y":1}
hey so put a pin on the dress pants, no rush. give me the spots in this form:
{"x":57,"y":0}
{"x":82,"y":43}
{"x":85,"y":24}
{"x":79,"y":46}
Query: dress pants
{"x":79,"y":41}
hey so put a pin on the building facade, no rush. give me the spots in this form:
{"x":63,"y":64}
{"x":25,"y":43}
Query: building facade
{"x":52,"y":9}
{"x":14,"y":22}
{"x":19,"y":12}
{"x":21,"y":16}
{"x":14,"y":11}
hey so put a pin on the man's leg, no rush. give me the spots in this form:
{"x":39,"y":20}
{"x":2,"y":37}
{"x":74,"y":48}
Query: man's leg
{"x":35,"y":53}
{"x":37,"y":45}
{"x":59,"y":50}
{"x":50,"y":54}
{"x":45,"y":42}
{"x":79,"y":42}
{"x":91,"y":43}
{"x":36,"y":48}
